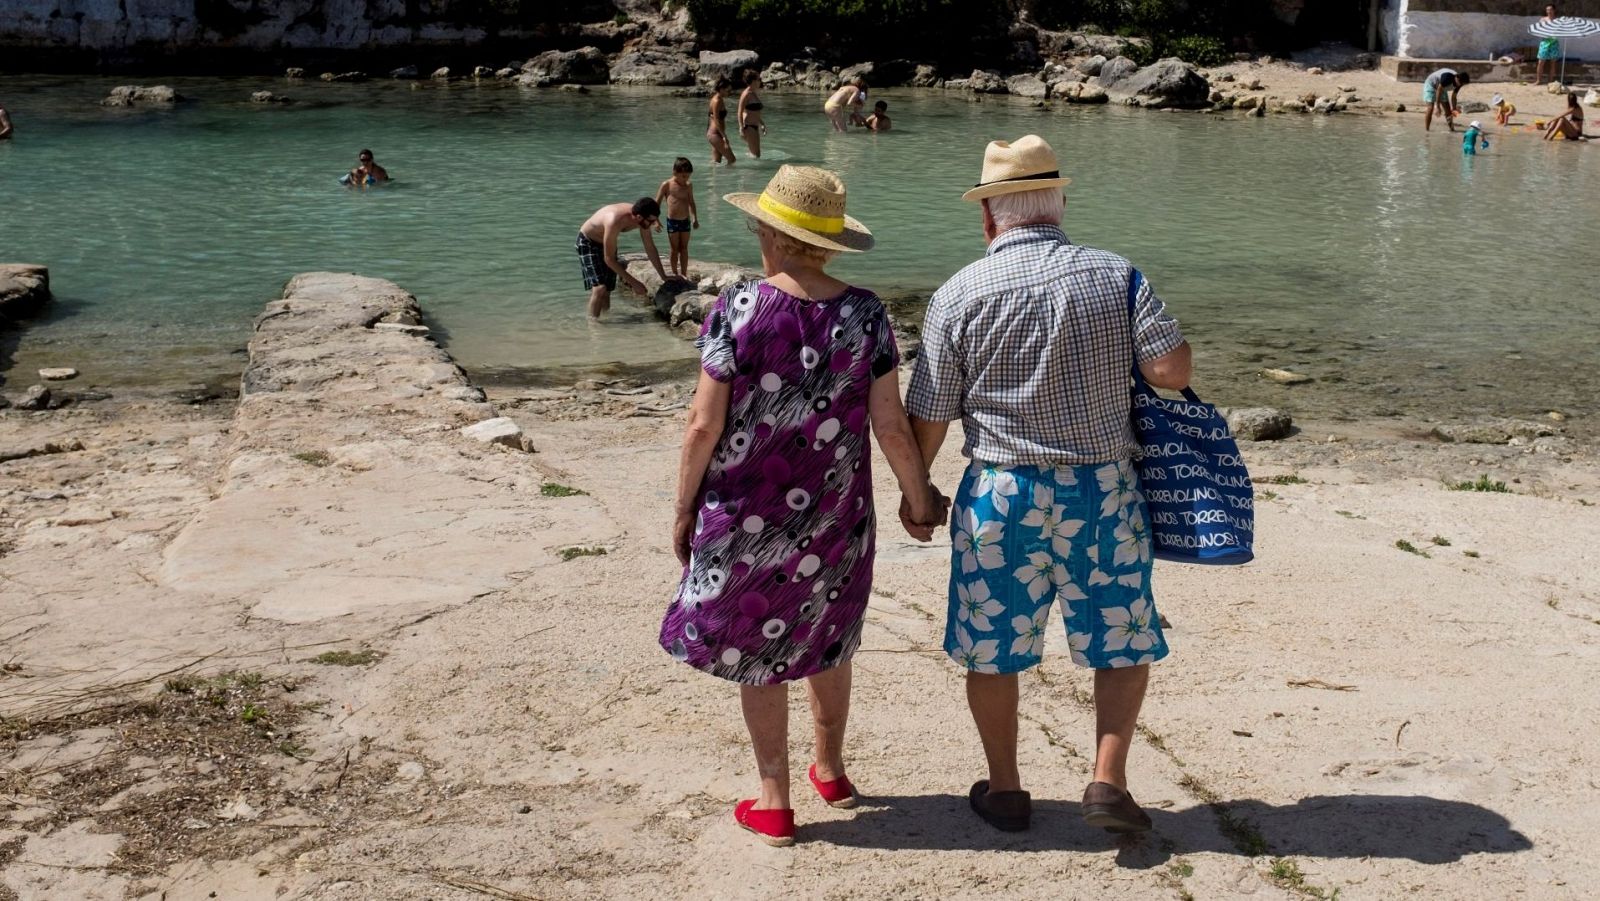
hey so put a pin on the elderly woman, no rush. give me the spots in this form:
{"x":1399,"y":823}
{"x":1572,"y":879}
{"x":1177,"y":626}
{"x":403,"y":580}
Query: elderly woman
{"x":775,"y":523}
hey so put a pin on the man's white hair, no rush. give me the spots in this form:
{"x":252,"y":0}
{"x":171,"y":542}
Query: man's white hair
{"x":1027,"y":208}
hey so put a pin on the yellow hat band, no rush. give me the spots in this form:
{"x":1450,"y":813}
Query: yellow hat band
{"x":822,"y":225}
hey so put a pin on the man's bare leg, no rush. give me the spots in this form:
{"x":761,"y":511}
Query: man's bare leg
{"x":1118,"y":695}
{"x":599,"y":301}
{"x":993,"y":699}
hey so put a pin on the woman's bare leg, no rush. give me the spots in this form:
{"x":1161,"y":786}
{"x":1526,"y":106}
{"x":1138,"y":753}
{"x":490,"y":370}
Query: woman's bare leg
{"x":766,"y":715}
{"x":829,"y":691}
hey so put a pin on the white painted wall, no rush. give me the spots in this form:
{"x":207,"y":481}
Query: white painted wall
{"x":1440,"y":35}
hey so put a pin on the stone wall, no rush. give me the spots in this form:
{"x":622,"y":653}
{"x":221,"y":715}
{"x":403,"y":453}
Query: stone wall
{"x":1474,"y":29}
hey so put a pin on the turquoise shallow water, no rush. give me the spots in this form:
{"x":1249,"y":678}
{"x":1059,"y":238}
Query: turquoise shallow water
{"x":1405,"y":277}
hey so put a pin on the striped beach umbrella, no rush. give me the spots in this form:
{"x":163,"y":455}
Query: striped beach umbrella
{"x":1561,"y":29}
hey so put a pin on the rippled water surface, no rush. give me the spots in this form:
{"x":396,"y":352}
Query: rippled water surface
{"x":1403,"y":276}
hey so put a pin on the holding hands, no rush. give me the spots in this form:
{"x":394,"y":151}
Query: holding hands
{"x":922,"y":512}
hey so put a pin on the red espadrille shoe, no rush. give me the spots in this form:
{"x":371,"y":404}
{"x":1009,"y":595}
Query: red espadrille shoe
{"x":775,"y":827}
{"x":838,"y":793}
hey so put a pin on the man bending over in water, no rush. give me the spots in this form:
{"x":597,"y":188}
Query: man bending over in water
{"x":597,"y":249}
{"x":5,"y":124}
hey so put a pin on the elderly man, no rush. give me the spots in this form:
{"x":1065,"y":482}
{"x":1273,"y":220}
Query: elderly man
{"x":1032,"y":348}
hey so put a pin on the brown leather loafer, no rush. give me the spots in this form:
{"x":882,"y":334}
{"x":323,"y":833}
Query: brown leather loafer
{"x":1113,"y":809}
{"x":1006,"y":811}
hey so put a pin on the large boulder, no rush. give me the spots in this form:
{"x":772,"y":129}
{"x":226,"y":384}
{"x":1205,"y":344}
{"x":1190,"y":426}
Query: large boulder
{"x":1080,"y":93}
{"x":926,"y":77}
{"x":1115,"y":70}
{"x":1027,"y":86}
{"x":727,"y":63}
{"x":1166,"y":82}
{"x":586,"y":65}
{"x":1260,"y":423}
{"x":142,"y":95}
{"x":1092,"y":65}
{"x":651,"y":67}
{"x":24,"y":288}
{"x":986,"y":81}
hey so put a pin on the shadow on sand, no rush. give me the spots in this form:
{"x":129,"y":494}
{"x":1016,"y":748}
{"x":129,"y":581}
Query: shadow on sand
{"x":1413,"y":827}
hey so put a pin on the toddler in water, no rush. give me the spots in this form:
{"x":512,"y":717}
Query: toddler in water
{"x":1503,"y":110}
{"x":1469,"y":140}
{"x":676,"y":196}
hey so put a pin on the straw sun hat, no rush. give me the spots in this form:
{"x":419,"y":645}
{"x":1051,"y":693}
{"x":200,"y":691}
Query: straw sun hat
{"x":806,"y":204}
{"x":1027,"y":164}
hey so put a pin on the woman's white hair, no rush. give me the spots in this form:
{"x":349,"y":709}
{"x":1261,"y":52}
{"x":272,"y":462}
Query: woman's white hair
{"x":1044,"y":206}
{"x":794,"y":247}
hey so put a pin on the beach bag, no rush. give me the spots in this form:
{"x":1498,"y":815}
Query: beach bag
{"x":1202,"y":505}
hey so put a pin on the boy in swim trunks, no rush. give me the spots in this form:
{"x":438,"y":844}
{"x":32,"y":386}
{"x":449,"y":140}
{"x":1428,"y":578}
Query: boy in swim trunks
{"x":676,"y":195}
{"x":879,"y":120}
{"x":597,"y":249}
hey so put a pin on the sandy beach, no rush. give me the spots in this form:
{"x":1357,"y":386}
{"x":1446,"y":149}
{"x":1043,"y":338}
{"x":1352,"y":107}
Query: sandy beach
{"x":321,"y":644}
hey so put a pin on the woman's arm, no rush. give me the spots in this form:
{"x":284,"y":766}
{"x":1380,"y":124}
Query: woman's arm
{"x":707,"y":416}
{"x":893,"y":431}
{"x":744,"y":98}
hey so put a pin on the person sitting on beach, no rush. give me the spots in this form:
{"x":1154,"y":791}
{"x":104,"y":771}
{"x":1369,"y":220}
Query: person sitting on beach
{"x":1549,"y":48}
{"x":839,"y":101}
{"x":1503,"y":110}
{"x":5,"y":124}
{"x":751,"y":126}
{"x":1434,"y":95}
{"x":879,"y":120}
{"x":678,"y":195}
{"x":1031,"y":348}
{"x":774,"y":522}
{"x":1569,"y":124}
{"x":717,"y":129}
{"x":366,"y":172}
{"x":597,"y":249}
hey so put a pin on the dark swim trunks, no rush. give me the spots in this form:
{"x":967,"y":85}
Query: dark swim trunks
{"x":592,"y":255}
{"x":674,"y":226}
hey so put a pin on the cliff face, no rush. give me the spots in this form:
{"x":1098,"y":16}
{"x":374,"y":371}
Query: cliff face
{"x":218,"y":35}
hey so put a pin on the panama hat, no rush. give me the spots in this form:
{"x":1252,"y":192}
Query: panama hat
{"x":1027,"y":164}
{"x":806,"y":204}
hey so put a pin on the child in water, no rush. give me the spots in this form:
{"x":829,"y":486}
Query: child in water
{"x":1503,"y":110}
{"x":676,"y":196}
{"x":879,"y":120}
{"x":365,"y":173}
{"x":1469,"y":140}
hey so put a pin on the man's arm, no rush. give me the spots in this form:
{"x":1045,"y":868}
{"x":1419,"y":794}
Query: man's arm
{"x":633,"y":284}
{"x":650,"y":251}
{"x":1171,"y":370}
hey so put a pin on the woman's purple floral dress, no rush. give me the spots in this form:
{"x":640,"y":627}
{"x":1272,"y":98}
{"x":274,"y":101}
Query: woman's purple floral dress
{"x":777,"y":583}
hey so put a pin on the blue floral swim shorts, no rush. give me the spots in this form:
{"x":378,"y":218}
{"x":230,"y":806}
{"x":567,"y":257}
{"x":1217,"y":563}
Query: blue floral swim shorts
{"x":1023,"y":537}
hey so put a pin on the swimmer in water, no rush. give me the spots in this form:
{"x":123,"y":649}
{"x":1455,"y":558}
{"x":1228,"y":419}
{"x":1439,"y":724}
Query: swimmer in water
{"x":879,"y":120}
{"x":366,"y":172}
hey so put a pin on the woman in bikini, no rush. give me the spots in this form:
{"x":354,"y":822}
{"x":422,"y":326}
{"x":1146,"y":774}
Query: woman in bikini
{"x":838,"y":103}
{"x":1569,"y":124}
{"x":717,"y":128}
{"x":751,"y":128}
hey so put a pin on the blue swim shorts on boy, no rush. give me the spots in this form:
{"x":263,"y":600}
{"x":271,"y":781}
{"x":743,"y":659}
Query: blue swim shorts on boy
{"x":1025,"y":537}
{"x":676,"y":226}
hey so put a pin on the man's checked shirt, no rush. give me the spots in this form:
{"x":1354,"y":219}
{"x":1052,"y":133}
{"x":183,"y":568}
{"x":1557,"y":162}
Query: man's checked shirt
{"x":1032,"y":348}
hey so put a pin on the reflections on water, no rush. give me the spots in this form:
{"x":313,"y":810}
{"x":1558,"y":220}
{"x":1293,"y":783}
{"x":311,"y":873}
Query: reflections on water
{"x":1402,"y":275}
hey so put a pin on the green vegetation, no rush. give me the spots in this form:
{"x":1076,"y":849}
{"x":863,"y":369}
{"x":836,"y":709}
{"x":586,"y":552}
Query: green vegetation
{"x":1287,"y":874}
{"x":573,"y":553}
{"x":314,"y":458}
{"x":348,"y":658}
{"x":1348,"y":515}
{"x":1484,"y":483}
{"x":1293,"y":478}
{"x":1410,"y":548}
{"x":1440,"y":540}
{"x":919,"y":29}
{"x":551,"y":489}
{"x":1267,"y":495}
{"x":1182,"y":869}
{"x":1473,"y":554}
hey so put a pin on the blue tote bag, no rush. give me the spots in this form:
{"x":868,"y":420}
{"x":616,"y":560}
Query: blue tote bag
{"x":1202,"y":505}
